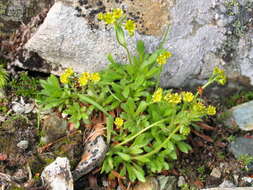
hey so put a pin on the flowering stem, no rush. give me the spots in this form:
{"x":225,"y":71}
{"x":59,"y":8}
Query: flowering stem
{"x":140,"y":132}
{"x":159,"y":77}
{"x":159,"y":147}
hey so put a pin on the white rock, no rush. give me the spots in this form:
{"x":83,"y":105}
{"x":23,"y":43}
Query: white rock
{"x":226,"y":184}
{"x":181,"y":181}
{"x":216,"y":173}
{"x":23,"y":144}
{"x":57,"y":175}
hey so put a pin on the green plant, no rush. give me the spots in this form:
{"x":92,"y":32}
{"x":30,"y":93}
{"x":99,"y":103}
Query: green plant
{"x":24,"y":86}
{"x":147,"y":124}
{"x":3,"y":76}
{"x":246,"y":159}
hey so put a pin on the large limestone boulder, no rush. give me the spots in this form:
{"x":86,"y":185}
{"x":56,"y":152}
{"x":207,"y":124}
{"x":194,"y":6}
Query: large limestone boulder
{"x":203,"y":34}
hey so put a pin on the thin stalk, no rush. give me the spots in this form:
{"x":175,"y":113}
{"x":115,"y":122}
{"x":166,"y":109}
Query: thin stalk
{"x":164,"y":37}
{"x":159,"y":77}
{"x":140,"y":132}
{"x":159,"y":147}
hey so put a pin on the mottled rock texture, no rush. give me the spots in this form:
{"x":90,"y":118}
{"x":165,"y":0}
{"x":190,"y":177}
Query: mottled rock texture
{"x":203,"y":34}
{"x":15,"y":12}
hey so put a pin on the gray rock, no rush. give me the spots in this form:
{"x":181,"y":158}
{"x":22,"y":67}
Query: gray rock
{"x":242,"y":146}
{"x":242,"y":116}
{"x":53,"y":127}
{"x":15,"y":12}
{"x":216,"y":173}
{"x":195,"y":40}
{"x":181,"y":181}
{"x":23,"y":144}
{"x":167,"y":182}
{"x":93,"y":155}
{"x":150,"y":184}
{"x":57,"y":175}
{"x":248,"y":180}
{"x":227,"y":184}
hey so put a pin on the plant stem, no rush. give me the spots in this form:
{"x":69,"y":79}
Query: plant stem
{"x":159,"y":147}
{"x":140,"y":132}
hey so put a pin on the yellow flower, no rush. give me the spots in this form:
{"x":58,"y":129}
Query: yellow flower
{"x":157,"y":96}
{"x":119,"y":122}
{"x":108,"y":18}
{"x":161,"y":60}
{"x":219,"y":75}
{"x":95,"y":77}
{"x":187,"y":96}
{"x":185,"y":130}
{"x":173,"y":98}
{"x":117,"y":13}
{"x":167,"y":54}
{"x":64,"y":78}
{"x":100,"y":16}
{"x":84,"y":78}
{"x":69,"y":71}
{"x":87,"y":75}
{"x":130,"y":27}
{"x":199,"y":107}
{"x":211,"y":110}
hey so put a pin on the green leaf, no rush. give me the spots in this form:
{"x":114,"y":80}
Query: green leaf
{"x":140,"y":47}
{"x":110,"y":58}
{"x":86,"y":99}
{"x":109,"y":127}
{"x":142,"y":106}
{"x":120,"y":35}
{"x":130,"y":172}
{"x":135,"y":150}
{"x":183,"y":147}
{"x":139,"y":173}
{"x":124,"y":156}
{"x":142,"y":159}
{"x":126,"y":91}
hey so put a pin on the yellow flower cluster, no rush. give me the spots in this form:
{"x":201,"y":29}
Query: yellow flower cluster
{"x":162,"y":59}
{"x":157,"y":96}
{"x":219,"y":75}
{"x":119,"y":122}
{"x":199,"y":107}
{"x":64,"y":78}
{"x":187,"y":96}
{"x":185,"y":130}
{"x":86,"y":77}
{"x":110,"y":17}
{"x":211,"y":110}
{"x":130,"y":26}
{"x":173,"y":98}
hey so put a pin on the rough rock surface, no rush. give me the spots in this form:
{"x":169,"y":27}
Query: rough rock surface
{"x":15,"y":12}
{"x":57,"y":175}
{"x":241,"y":116}
{"x":203,"y":34}
{"x":93,"y":155}
{"x":242,"y":146}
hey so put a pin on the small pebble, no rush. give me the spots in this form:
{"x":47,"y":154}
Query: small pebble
{"x":23,"y":144}
{"x":216,"y":173}
{"x":181,"y":181}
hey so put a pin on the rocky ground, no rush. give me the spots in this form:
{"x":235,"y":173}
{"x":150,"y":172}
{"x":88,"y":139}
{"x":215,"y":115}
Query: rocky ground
{"x":31,"y":140}
{"x":203,"y":34}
